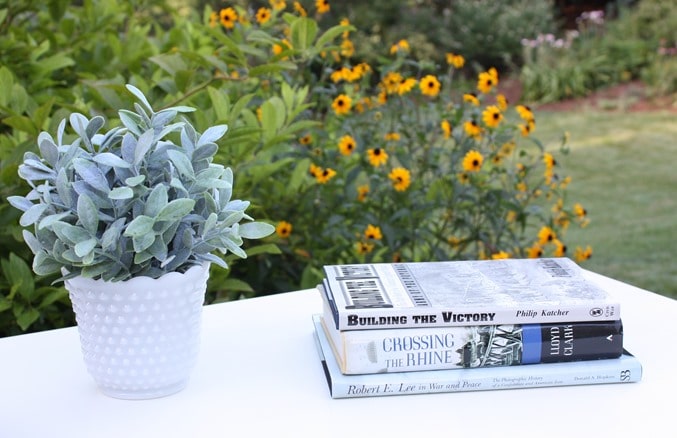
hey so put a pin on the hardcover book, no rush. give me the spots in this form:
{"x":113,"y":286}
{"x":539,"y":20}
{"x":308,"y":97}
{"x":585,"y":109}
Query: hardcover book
{"x":459,"y":293}
{"x":434,"y":348}
{"x":623,"y":369}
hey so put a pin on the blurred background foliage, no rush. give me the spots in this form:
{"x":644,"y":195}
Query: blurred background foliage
{"x":64,"y":56}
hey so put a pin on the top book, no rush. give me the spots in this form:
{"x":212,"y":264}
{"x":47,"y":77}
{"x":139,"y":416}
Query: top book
{"x":458,"y":293}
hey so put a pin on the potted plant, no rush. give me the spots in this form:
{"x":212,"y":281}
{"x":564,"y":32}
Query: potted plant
{"x":132,"y":218}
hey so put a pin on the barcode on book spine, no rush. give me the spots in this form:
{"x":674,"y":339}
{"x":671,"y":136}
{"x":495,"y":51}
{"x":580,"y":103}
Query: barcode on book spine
{"x":355,"y":271}
{"x":417,"y":296}
{"x":365,"y":293}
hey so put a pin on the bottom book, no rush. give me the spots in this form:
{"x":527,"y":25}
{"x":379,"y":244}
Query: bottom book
{"x":624,"y":369}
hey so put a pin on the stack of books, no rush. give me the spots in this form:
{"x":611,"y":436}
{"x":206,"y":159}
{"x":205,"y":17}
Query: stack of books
{"x":411,"y":328}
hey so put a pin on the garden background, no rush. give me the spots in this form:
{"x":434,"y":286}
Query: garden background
{"x":383,"y":131}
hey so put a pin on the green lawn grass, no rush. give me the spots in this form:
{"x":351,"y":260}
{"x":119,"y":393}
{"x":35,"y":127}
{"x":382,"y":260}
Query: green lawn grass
{"x":623,"y":169}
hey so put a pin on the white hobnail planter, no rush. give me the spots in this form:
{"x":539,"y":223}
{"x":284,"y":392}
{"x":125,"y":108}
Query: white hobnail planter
{"x":140,"y":338}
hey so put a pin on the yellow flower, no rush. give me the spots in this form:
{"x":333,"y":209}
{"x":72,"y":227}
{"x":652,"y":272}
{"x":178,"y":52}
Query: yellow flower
{"x":362,"y":192}
{"x":472,"y":129}
{"x":406,"y":86}
{"x":228,"y":17}
{"x":446,"y":128}
{"x":322,"y":6}
{"x":535,"y":251}
{"x":492,"y":116}
{"x":347,"y":48}
{"x":560,"y":248}
{"x":472,"y":162}
{"x":345,"y":22}
{"x":283,"y":229}
{"x":213,"y":19}
{"x":306,"y":140}
{"x":487,"y":80}
{"x":502,"y":102}
{"x":401,"y":178}
{"x":400,"y":46}
{"x":582,"y":254}
{"x":525,"y":112}
{"x":391,"y":82}
{"x":549,"y":160}
{"x":507,"y":148}
{"x":500,"y":255}
{"x":471,"y":98}
{"x":392,"y":136}
{"x":347,"y":145}
{"x":325,"y":175}
{"x":430,"y":86}
{"x":377,"y":156}
{"x":281,"y":47}
{"x":546,"y":235}
{"x":527,"y":128}
{"x":579,"y":210}
{"x":456,"y":60}
{"x":342,"y":104}
{"x":314,"y":170}
{"x":263,"y":15}
{"x":299,"y":8}
{"x":364,"y":247}
{"x":463,"y":177}
{"x":278,"y":5}
{"x":373,"y":233}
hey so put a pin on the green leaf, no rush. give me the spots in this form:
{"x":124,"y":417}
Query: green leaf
{"x":26,"y":317}
{"x":55,"y":62}
{"x":82,"y":249}
{"x":139,"y":226}
{"x":157,"y":200}
{"x":255,"y":230}
{"x":220,"y":103}
{"x":176,"y":209}
{"x":182,"y":163}
{"x":88,"y":214}
{"x":268,"y":248}
{"x":303,"y":33}
{"x":330,"y":35}
{"x":21,"y":123}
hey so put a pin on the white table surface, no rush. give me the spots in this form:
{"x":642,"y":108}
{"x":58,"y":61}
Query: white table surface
{"x":258,"y":374}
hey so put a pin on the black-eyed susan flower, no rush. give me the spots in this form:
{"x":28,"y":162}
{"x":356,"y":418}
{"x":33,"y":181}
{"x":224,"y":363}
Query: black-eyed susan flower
{"x":487,"y":80}
{"x":524,"y":112}
{"x":471,"y":98}
{"x":345,"y":22}
{"x":373,"y":233}
{"x":492,"y":116}
{"x":377,"y":156}
{"x":502,"y":102}
{"x":281,"y":47}
{"x":472,"y":129}
{"x":549,"y":160}
{"x":314,"y":170}
{"x":347,"y":145}
{"x":430,"y":86}
{"x":527,"y":128}
{"x":401,"y":178}
{"x":507,"y":148}
{"x":362,"y":192}
{"x":263,"y":15}
{"x":342,"y":104}
{"x":402,"y":46}
{"x":535,"y":251}
{"x":322,"y":6}
{"x":306,"y":140}
{"x":446,"y":128}
{"x":347,"y":48}
{"x":213,"y":19}
{"x":456,"y":60}
{"x":406,"y":85}
{"x":579,"y":211}
{"x":391,"y":82}
{"x":463,"y":177}
{"x":324,"y":175}
{"x":582,"y":254}
{"x":364,"y":247}
{"x":472,"y":161}
{"x":278,"y":5}
{"x":300,"y":9}
{"x":283,"y":229}
{"x":546,"y":235}
{"x":391,"y":136}
{"x":560,"y":248}
{"x":500,"y":255}
{"x":228,"y":17}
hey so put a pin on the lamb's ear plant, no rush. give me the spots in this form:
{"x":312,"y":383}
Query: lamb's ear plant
{"x":141,"y":199}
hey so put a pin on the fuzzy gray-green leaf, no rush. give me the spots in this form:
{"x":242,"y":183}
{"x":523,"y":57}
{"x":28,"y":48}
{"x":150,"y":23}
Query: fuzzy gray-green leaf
{"x":157,"y":200}
{"x":176,"y":209}
{"x":255,"y":230}
{"x":32,"y":215}
{"x":212,"y":134}
{"x":82,"y":249}
{"x":112,"y":160}
{"x":48,"y":149}
{"x":120,"y":193}
{"x":143,"y":145}
{"x":88,"y":214}
{"x":139,"y":226}
{"x":182,"y":163}
{"x":140,"y":96}
{"x":91,"y":174}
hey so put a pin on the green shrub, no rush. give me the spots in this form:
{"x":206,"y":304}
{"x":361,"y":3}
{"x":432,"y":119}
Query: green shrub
{"x":291,"y":90}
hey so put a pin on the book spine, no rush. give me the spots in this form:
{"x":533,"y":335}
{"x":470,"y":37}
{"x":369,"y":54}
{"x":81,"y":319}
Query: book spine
{"x":400,"y":350}
{"x":391,"y":318}
{"x":624,"y":369}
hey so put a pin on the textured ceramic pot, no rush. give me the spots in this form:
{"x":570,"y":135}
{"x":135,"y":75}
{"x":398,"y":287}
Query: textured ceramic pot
{"x":140,"y":338}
